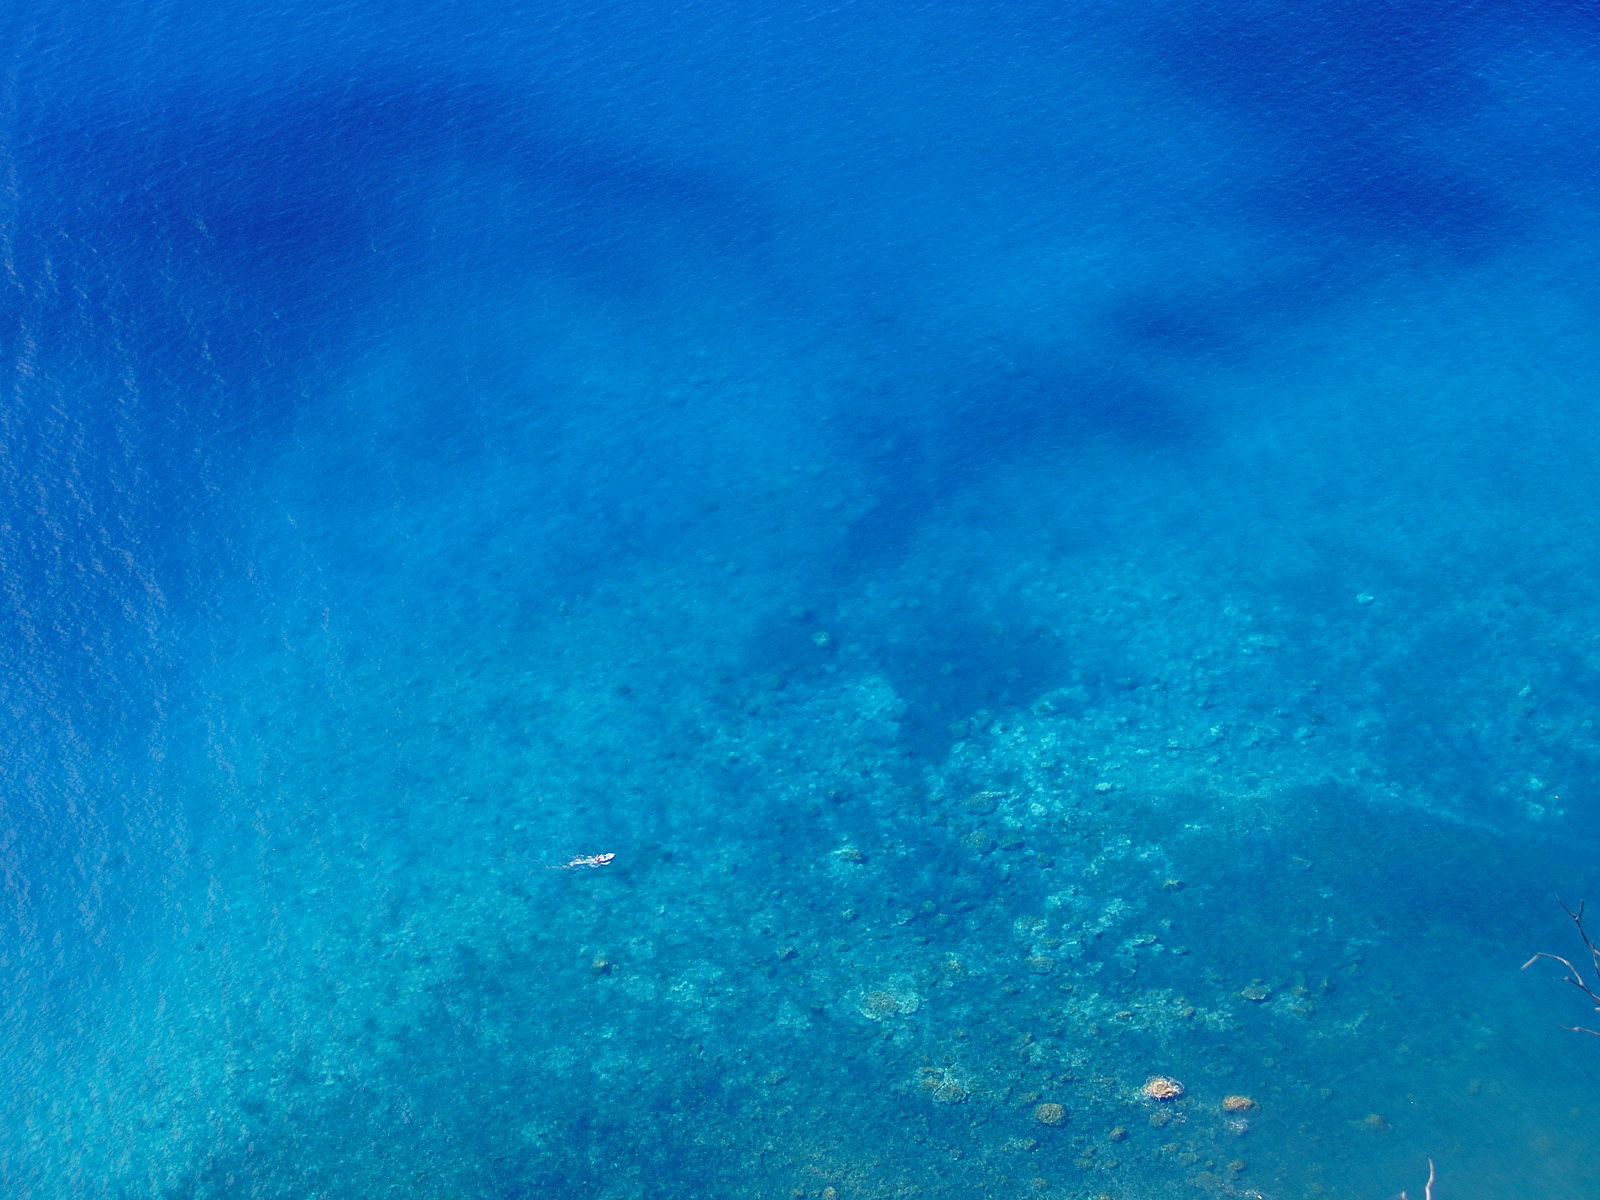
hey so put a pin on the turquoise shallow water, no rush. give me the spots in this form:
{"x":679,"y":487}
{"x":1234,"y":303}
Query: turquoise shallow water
{"x":1053,"y":550}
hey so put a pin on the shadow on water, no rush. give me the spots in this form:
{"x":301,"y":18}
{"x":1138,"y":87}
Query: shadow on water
{"x":1351,"y":94}
{"x":958,"y":649}
{"x":287,"y":218}
{"x":922,"y":461}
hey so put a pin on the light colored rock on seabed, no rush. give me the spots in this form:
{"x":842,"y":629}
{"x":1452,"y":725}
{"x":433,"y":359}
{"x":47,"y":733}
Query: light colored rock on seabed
{"x":895,"y":997}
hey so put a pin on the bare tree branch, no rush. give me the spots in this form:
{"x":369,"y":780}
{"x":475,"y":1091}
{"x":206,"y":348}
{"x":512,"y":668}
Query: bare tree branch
{"x":1573,"y":975}
{"x":1427,"y":1189}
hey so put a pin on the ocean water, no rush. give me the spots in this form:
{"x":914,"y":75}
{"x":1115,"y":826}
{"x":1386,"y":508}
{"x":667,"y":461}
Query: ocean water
{"x":1054,"y":545}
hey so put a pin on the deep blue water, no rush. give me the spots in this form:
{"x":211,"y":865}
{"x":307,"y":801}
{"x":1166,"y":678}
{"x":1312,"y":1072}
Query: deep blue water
{"x":1054,"y":543}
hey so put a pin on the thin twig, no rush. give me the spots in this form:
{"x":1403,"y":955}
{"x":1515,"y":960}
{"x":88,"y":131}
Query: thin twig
{"x":1577,"y":919}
